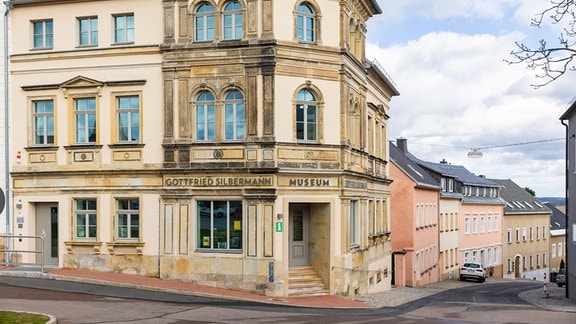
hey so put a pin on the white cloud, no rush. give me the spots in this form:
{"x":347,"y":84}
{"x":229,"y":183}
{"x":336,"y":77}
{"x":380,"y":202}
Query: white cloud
{"x":458,"y":93}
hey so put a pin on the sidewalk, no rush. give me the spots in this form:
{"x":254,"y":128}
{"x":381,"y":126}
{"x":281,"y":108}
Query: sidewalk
{"x":397,"y":296}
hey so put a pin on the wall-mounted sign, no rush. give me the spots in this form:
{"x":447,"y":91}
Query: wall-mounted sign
{"x":217,"y":181}
{"x":279,"y":226}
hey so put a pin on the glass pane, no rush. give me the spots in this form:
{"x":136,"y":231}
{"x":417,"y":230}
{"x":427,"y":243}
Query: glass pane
{"x":210,"y":28}
{"x":235,"y":224}
{"x":204,"y":213}
{"x":227,"y":27}
{"x":220,"y":228}
{"x":297,"y":227}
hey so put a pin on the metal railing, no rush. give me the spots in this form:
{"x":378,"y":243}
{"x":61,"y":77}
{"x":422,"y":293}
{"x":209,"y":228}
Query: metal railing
{"x":7,"y":252}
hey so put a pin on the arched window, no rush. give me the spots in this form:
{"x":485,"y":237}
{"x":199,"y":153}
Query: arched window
{"x":233,"y":20}
{"x":204,"y":23}
{"x":205,"y":117}
{"x":234,"y":116}
{"x":305,"y":23}
{"x":306,"y":116}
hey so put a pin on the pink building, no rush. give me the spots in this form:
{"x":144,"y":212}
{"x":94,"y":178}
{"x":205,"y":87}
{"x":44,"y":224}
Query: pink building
{"x":414,"y":222}
{"x":480,"y":216}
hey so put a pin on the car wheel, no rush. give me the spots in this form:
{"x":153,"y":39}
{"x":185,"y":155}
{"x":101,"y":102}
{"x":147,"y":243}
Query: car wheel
{"x":461,"y":278}
{"x":560,"y":285}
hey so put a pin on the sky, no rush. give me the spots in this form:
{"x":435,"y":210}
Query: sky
{"x":457,"y":92}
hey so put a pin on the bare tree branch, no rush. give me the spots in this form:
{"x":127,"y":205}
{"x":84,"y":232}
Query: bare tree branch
{"x":551,"y":62}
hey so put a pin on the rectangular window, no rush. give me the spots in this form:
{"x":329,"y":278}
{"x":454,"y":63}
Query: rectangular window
{"x":495,"y":223}
{"x":43,"y":117}
{"x":466,"y":257}
{"x":124,"y":28}
{"x":85,"y":120}
{"x":128,"y":218}
{"x":475,"y":225}
{"x":509,"y":235}
{"x":88,"y":31}
{"x":517,"y":235}
{"x":524,"y":234}
{"x":467,"y":225}
{"x":509,"y":265}
{"x":489,"y":223}
{"x":544,"y":259}
{"x":496,"y":258}
{"x":537,"y":233}
{"x":553,"y":250}
{"x":354,"y":223}
{"x":544,"y":232}
{"x":482,"y":225}
{"x":85,"y":213}
{"x":219,"y":224}
{"x":43,"y":34}
{"x":128,"y":119}
{"x":560,"y":250}
{"x":531,"y":233}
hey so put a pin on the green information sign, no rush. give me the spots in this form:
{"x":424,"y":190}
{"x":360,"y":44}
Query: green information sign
{"x":279,"y":226}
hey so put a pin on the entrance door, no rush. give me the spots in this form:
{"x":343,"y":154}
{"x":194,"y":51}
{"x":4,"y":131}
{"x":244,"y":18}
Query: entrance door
{"x":517,"y":267}
{"x":47,"y":224}
{"x":298,"y":235}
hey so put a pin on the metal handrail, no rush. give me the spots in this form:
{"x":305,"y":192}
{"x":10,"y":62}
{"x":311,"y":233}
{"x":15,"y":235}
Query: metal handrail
{"x":20,"y":237}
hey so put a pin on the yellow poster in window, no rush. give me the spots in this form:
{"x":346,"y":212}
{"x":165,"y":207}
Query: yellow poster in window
{"x":237,"y":225}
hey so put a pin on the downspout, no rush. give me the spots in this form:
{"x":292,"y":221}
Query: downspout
{"x":6,"y":131}
{"x":566,"y":209}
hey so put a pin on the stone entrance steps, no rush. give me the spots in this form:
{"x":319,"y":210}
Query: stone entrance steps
{"x":305,"y":281}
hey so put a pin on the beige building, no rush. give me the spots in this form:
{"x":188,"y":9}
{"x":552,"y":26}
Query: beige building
{"x":557,"y":237}
{"x":525,"y":240}
{"x":204,"y":141}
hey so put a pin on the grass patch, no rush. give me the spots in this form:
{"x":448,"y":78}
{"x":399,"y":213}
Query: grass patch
{"x":7,"y":317}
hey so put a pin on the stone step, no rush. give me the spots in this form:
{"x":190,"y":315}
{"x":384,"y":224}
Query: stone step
{"x":305,"y":281}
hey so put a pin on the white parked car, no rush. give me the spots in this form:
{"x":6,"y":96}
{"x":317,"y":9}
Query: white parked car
{"x":473,"y":270}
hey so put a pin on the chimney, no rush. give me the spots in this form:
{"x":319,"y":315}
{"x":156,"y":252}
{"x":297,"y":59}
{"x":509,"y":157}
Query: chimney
{"x":402,"y":144}
{"x":443,"y":161}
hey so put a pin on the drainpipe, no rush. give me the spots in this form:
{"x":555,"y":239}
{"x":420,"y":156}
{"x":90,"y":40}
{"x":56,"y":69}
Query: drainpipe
{"x":6,"y":131}
{"x":566,"y":210}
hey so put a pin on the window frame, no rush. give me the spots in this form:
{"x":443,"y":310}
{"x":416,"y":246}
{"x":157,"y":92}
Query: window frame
{"x":92,"y":35}
{"x":234,"y":14}
{"x":303,"y":118}
{"x":45,"y":116}
{"x":128,"y":32}
{"x":132,"y":219}
{"x":354,"y":224}
{"x":131,"y":111}
{"x":46,"y":35}
{"x":206,"y":17}
{"x":86,"y":113}
{"x":87,"y":214}
{"x":236,"y":105}
{"x":303,"y":32}
{"x":208,"y":120}
{"x":230,"y":225}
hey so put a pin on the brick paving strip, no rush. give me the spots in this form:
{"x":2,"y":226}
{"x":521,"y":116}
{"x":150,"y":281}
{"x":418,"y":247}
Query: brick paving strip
{"x":128,"y":280}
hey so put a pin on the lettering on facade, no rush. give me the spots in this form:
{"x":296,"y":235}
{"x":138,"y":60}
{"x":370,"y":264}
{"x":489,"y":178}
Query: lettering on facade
{"x":309,"y":182}
{"x":217,"y":181}
{"x":355,"y":184}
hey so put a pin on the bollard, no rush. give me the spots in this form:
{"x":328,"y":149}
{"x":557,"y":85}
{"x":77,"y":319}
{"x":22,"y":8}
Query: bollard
{"x":545,"y":290}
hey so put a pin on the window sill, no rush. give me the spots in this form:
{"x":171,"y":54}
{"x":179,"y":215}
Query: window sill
{"x":50,"y":147}
{"x":125,"y":145}
{"x":91,"y":247}
{"x":83,"y":146}
{"x":125,"y":247}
